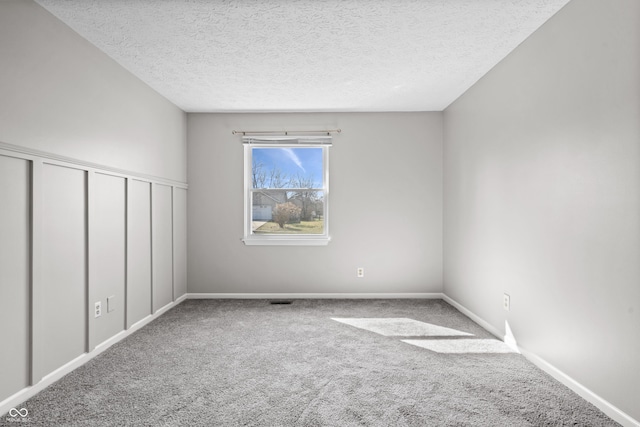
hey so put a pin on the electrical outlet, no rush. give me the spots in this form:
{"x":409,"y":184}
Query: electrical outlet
{"x":506,"y":302}
{"x":98,"y":309}
{"x":360,"y":272}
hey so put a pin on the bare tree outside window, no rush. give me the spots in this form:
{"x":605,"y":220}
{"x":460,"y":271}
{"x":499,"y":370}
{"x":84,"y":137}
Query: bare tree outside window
{"x":288,"y":190}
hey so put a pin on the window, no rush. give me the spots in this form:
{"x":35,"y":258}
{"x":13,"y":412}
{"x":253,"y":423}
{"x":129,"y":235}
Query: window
{"x":286,"y":190}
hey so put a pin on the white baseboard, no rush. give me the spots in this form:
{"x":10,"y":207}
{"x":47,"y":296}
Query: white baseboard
{"x":138,"y":325}
{"x":613,"y":412}
{"x":474,"y":317}
{"x":610,"y":410}
{"x":26,"y":393}
{"x":606,"y":407}
{"x":314,"y":295}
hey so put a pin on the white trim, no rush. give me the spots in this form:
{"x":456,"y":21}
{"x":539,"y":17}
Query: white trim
{"x":36,"y":299}
{"x":28,"y":392}
{"x":471,"y":315}
{"x":173,"y":245}
{"x":90,"y":290}
{"x":609,"y":409}
{"x":212,"y":295}
{"x":300,"y":240}
{"x":252,"y":239}
{"x":55,"y":159}
{"x":169,"y":306}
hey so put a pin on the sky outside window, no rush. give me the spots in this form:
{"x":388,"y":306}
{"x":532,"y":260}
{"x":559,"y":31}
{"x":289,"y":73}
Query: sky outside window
{"x":291,"y":162}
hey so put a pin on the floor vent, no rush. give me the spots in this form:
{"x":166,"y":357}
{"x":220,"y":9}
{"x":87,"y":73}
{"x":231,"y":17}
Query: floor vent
{"x":280,"y":302}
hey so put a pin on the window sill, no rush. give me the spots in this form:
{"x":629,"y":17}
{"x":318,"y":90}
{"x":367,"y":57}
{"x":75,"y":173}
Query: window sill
{"x":286,"y":241}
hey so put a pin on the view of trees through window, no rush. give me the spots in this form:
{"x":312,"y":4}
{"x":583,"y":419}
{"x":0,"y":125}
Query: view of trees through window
{"x":287,"y":195}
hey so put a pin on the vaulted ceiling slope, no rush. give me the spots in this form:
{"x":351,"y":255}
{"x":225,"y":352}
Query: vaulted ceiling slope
{"x":306,"y":55}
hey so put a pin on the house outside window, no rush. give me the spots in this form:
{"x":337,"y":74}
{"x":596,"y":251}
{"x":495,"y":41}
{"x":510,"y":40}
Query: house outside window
{"x":286,"y":190}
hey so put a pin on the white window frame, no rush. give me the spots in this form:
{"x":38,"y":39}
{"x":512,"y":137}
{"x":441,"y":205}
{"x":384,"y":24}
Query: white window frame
{"x":250,"y":238}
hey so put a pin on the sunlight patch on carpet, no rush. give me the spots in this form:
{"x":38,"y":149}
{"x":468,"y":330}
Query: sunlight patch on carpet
{"x":401,"y":327}
{"x":463,"y":346}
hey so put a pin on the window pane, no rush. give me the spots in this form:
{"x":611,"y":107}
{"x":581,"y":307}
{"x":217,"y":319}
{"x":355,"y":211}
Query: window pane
{"x":282,"y":167}
{"x":287,"y":212}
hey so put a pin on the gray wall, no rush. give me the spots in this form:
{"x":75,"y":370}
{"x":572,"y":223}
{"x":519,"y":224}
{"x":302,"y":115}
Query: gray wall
{"x":542,"y":196}
{"x":179,"y":241}
{"x":162,"y":245}
{"x":108,"y":253}
{"x":82,"y":142}
{"x":139,"y":251}
{"x":541,"y":199}
{"x":62,"y":95}
{"x":385,"y":207}
{"x":63,"y":277}
{"x":15,"y":274}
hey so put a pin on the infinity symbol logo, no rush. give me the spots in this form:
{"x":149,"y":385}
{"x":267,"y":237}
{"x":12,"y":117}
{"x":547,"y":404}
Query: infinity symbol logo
{"x":18,"y":412}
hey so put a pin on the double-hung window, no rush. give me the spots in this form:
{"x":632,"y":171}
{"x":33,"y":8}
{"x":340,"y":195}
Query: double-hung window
{"x":286,"y":190}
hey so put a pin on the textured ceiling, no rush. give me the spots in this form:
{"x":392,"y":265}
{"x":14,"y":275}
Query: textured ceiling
{"x":306,"y":55}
